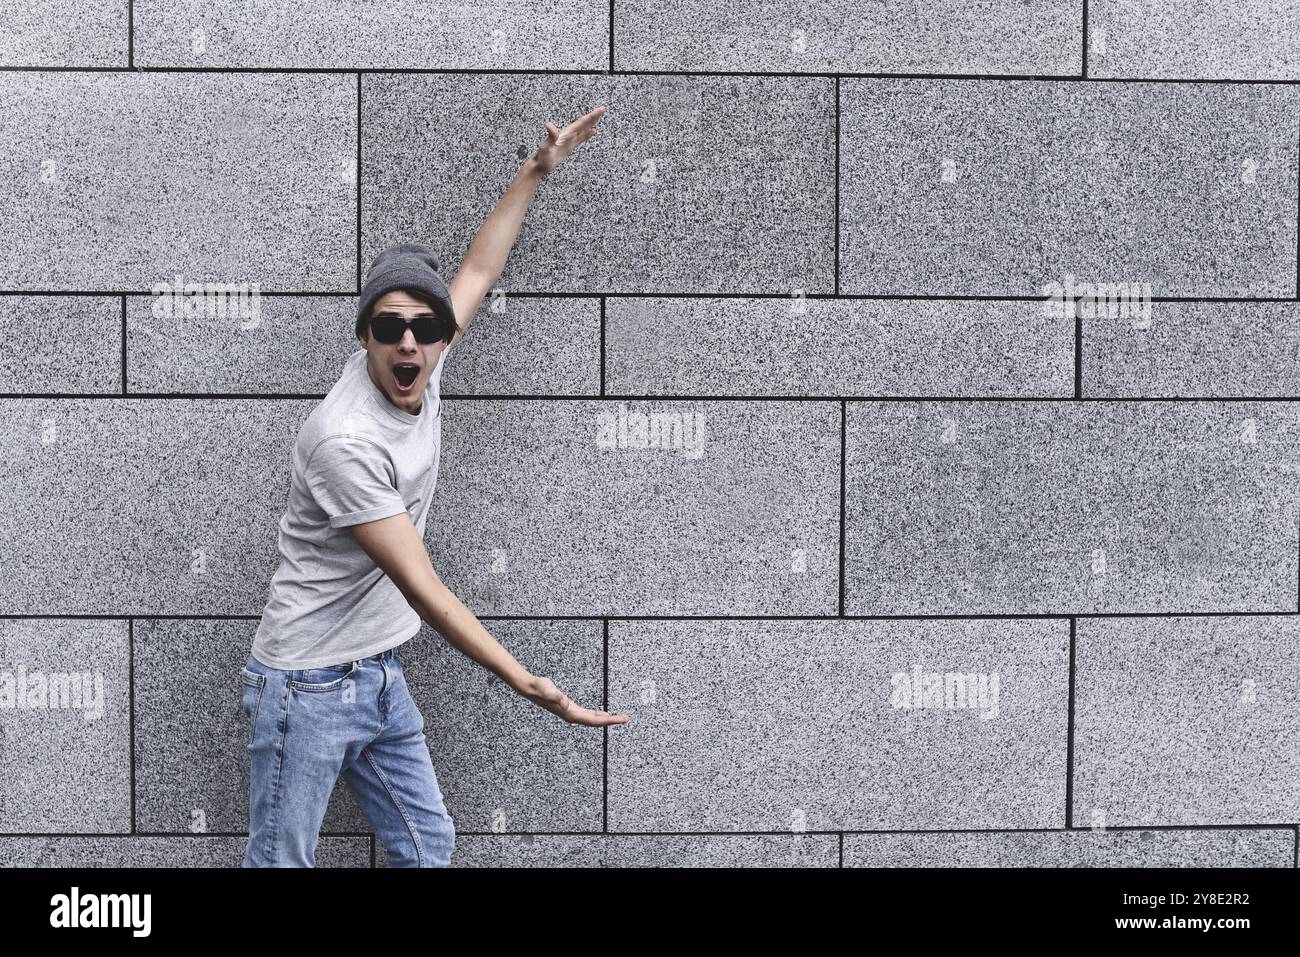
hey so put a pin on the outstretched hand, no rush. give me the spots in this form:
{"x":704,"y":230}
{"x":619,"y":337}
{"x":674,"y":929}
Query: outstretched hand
{"x":545,"y":693}
{"x":560,"y":143}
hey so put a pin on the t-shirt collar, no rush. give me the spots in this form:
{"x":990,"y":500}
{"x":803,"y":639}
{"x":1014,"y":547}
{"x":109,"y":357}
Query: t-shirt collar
{"x":401,"y":418}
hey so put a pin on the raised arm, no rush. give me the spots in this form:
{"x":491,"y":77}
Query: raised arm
{"x":486,"y":256}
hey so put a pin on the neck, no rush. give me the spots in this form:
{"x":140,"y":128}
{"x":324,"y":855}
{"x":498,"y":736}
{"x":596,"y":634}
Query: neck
{"x":418,"y":405}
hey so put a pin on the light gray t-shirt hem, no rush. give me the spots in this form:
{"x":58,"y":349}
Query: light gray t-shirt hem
{"x":301,"y":664}
{"x":369,"y":515}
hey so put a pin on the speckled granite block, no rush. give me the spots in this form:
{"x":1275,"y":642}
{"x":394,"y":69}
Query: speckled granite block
{"x":542,"y":507}
{"x":1064,"y":508}
{"x":967,"y":187}
{"x":739,"y":198}
{"x":65,"y":724}
{"x":552,"y":508}
{"x":263,"y":344}
{"x":1265,"y":847}
{"x":1198,"y":349}
{"x":1243,"y":40}
{"x":1187,"y":721}
{"x":118,"y":181}
{"x":526,"y":346}
{"x":63,"y":33}
{"x":61,"y":344}
{"x":191,"y":738}
{"x":504,"y":764}
{"x":791,"y":725}
{"x":298,"y":344}
{"x":487,"y":35}
{"x":822,"y":347}
{"x":659,"y":850}
{"x":142,"y":506}
{"x":190,"y":851}
{"x":840,"y":36}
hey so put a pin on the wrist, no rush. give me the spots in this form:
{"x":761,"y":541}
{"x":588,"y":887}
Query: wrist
{"x":525,"y":684}
{"x":532,"y":169}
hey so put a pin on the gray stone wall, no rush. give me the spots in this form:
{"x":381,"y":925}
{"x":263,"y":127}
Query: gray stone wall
{"x":973,"y":532}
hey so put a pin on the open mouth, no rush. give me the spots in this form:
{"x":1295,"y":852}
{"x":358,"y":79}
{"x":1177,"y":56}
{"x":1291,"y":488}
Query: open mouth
{"x":405,"y":374}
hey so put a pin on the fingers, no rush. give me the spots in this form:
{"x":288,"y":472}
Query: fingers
{"x":556,"y":701}
{"x":600,"y":718}
{"x":591,"y":117}
{"x":575,"y":133}
{"x":587,"y":124}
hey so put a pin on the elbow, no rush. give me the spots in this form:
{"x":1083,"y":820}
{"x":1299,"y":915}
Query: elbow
{"x":430,"y":600}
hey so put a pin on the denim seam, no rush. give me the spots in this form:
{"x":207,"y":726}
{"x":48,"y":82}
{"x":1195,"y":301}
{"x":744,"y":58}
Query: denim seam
{"x":257,"y":706}
{"x":273,"y":824}
{"x":327,"y":686}
{"x":419,"y":850}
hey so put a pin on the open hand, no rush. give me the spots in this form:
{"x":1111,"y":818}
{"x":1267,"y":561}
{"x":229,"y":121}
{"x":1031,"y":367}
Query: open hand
{"x":544,"y":692}
{"x":560,"y":143}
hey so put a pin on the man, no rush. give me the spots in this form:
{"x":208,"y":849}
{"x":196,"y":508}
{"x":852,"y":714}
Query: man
{"x":323,"y":688}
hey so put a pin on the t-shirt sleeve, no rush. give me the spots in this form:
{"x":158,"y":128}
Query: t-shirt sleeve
{"x":352,"y":481}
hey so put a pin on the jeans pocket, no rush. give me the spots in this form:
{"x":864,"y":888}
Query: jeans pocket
{"x":252,"y":700}
{"x":330,"y":678}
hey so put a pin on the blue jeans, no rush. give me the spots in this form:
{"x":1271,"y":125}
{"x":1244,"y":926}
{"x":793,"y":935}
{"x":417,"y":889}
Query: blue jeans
{"x":358,"y":719}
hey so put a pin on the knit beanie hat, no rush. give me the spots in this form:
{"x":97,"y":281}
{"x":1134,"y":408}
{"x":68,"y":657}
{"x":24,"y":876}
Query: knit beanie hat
{"x":404,"y":266}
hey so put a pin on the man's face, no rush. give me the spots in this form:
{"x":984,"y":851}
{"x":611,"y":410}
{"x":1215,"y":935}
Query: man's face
{"x":382,"y":359}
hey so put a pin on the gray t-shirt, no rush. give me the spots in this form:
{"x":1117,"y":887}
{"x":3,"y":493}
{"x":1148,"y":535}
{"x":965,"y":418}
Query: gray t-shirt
{"x":358,"y":458}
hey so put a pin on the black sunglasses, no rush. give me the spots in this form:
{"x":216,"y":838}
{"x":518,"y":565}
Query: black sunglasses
{"x":389,"y":328}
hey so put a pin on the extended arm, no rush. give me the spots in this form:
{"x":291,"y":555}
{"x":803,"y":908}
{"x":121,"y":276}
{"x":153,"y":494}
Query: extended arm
{"x":395,"y":546}
{"x":486,"y":256}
